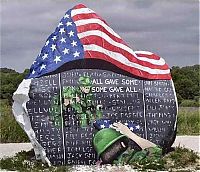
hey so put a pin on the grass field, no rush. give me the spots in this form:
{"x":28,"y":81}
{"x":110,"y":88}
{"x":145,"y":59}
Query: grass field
{"x":10,"y":131}
{"x":188,"y":121}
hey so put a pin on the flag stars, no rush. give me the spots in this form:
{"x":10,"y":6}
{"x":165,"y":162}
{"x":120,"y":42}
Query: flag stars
{"x":57,"y":59}
{"x":76,"y":54}
{"x":66,"y":16}
{"x":102,"y":126}
{"x":45,"y":56}
{"x":62,"y":30}
{"x":71,"y":33}
{"x":47,"y":43}
{"x":43,"y":67}
{"x":60,"y":24}
{"x":69,"y":23}
{"x":33,"y":72}
{"x":74,"y":43}
{"x":137,"y":127}
{"x":63,"y":40}
{"x":62,"y":46}
{"x":66,"y":51}
{"x":53,"y":47}
{"x":131,"y":128}
{"x":54,"y":38}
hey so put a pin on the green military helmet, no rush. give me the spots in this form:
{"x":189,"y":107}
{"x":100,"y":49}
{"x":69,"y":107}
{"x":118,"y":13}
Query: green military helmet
{"x":85,"y":81}
{"x":68,"y":92}
{"x":105,"y":138}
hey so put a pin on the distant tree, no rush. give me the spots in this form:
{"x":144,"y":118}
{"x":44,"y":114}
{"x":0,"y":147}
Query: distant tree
{"x":185,"y":88}
{"x":6,"y":70}
{"x":186,"y":81}
{"x":10,"y":79}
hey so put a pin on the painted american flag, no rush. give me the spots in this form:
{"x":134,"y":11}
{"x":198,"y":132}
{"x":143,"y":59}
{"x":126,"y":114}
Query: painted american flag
{"x":82,"y":33}
{"x":106,"y":123}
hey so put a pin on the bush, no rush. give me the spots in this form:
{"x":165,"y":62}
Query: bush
{"x":186,"y":81}
{"x":181,"y":158}
{"x":25,"y":161}
{"x":10,"y":80}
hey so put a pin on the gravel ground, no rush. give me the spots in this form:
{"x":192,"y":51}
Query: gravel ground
{"x":104,"y":168}
{"x":125,"y":168}
{"x":190,"y":142}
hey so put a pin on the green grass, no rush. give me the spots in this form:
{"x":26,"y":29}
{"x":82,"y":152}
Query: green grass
{"x":10,"y":131}
{"x":25,"y":161}
{"x":190,"y":103}
{"x":188,"y":121}
{"x":181,"y":158}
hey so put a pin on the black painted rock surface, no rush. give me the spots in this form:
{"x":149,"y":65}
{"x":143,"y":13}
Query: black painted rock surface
{"x":151,"y":104}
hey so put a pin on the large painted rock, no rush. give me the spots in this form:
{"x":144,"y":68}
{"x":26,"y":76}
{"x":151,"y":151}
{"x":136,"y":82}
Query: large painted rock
{"x":80,"y":79}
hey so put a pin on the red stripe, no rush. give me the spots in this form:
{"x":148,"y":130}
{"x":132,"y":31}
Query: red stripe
{"x":79,"y":6}
{"x":132,"y":70}
{"x":152,"y":56}
{"x":103,"y":43}
{"x":87,"y":16}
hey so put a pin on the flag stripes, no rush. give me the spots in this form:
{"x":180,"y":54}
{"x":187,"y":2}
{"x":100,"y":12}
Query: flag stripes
{"x":100,"y":41}
{"x":101,"y":53}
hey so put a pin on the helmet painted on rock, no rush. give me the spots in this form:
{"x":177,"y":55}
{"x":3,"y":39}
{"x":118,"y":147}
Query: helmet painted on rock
{"x":105,"y":138}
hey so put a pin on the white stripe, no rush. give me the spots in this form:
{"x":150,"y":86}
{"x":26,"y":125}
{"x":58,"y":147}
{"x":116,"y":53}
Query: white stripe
{"x":119,"y":57}
{"x":96,"y":21}
{"x":144,"y":52}
{"x":159,"y":62}
{"x":81,"y":11}
{"x":148,"y":53}
{"x":117,"y":44}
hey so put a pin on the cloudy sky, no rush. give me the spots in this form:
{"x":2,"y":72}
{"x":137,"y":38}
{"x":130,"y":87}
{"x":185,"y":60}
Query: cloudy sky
{"x":167,"y":28}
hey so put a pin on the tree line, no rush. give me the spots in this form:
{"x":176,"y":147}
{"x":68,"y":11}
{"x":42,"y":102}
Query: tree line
{"x":186,"y":81}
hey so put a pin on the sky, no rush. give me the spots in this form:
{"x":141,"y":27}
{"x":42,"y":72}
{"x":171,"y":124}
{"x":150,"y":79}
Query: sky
{"x":168,"y":28}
